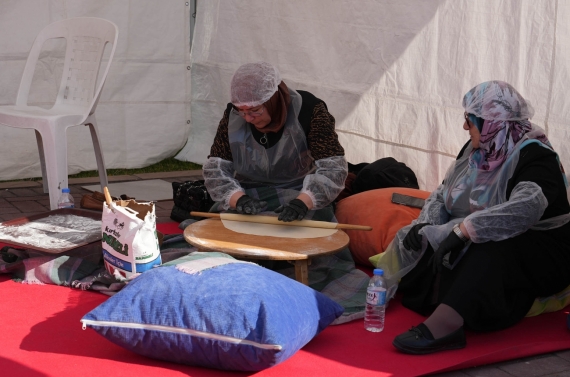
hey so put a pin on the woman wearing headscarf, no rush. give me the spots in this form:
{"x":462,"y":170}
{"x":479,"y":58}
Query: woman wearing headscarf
{"x":273,"y":136}
{"x":493,"y":236}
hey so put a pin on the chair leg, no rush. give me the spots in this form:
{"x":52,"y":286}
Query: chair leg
{"x":42,"y":161}
{"x":55,"y":153}
{"x":98,"y":152}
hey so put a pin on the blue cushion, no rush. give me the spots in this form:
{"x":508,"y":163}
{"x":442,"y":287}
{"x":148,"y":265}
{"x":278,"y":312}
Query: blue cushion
{"x":236,"y":316}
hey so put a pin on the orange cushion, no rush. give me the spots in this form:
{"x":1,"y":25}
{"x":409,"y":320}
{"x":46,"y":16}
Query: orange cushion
{"x":375,"y":208}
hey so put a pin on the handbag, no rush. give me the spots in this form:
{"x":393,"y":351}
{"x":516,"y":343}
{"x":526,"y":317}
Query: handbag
{"x":189,"y":196}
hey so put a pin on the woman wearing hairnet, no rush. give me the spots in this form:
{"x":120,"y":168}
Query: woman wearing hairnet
{"x":493,"y":237}
{"x":273,"y":136}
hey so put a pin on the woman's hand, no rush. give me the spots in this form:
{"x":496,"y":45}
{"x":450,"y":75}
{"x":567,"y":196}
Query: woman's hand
{"x":451,"y":244}
{"x":250,"y":206}
{"x":296,"y":209}
{"x":413,"y":240}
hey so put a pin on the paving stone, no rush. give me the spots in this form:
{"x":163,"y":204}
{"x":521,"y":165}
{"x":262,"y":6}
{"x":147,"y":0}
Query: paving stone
{"x":29,"y":206}
{"x":28,"y":198}
{"x":5,"y":193}
{"x":44,"y":202}
{"x":84,"y":181}
{"x":455,"y":373}
{"x":190,"y":174}
{"x":167,"y":204}
{"x":486,"y":371}
{"x":173,"y":180}
{"x":163,"y":219}
{"x":163,"y":216}
{"x":561,"y":374}
{"x":80,"y":191}
{"x":540,"y":366}
{"x":39,"y":190}
{"x":4,"y":203}
{"x":19,"y":184}
{"x":564,"y":354}
{"x":23,"y":192}
{"x":122,"y":178}
{"x":7,"y":210}
{"x":88,"y":181}
{"x":565,"y":373}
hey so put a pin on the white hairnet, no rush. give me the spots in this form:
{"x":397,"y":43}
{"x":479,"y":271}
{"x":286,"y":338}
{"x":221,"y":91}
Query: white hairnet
{"x":254,"y":83}
{"x":497,"y":100}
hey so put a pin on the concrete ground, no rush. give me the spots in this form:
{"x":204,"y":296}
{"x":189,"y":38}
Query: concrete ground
{"x":24,"y":198}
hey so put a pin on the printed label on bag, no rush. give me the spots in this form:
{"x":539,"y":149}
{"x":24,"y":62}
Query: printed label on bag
{"x":376,"y":296}
{"x":116,"y":262}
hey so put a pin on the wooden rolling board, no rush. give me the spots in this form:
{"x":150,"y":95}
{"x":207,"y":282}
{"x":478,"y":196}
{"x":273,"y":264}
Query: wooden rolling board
{"x":211,"y":235}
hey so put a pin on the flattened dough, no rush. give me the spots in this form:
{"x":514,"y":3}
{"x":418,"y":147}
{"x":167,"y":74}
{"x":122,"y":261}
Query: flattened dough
{"x":271,"y":230}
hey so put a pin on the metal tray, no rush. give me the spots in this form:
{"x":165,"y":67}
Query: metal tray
{"x":53,"y":232}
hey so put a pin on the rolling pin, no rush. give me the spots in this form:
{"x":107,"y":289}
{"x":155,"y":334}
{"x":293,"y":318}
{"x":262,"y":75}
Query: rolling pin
{"x":273,"y":220}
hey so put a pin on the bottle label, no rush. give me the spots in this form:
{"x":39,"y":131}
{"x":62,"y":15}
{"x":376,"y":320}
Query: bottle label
{"x":376,"y":296}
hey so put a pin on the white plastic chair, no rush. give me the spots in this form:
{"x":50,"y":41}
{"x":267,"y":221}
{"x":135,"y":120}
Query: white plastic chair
{"x":77,"y":98}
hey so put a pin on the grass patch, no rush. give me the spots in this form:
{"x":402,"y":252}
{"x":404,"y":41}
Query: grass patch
{"x":166,"y":165}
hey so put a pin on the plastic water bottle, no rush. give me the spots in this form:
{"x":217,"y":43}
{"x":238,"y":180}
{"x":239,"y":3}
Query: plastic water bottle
{"x":375,"y":302}
{"x":65,"y":200}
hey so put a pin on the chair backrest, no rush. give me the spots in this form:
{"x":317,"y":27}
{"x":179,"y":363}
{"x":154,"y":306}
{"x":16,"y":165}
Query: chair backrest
{"x":86,"y":38}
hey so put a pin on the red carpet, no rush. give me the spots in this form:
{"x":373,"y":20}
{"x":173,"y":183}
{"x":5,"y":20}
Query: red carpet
{"x":42,"y":336}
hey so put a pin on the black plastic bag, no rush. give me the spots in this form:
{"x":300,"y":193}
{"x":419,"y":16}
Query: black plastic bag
{"x":383,"y":173}
{"x":189,"y":196}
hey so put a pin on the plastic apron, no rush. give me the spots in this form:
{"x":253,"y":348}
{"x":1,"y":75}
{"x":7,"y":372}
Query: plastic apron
{"x":284,"y":165}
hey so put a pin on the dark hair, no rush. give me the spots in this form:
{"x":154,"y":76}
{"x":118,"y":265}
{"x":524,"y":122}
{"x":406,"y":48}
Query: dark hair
{"x":478,"y":122}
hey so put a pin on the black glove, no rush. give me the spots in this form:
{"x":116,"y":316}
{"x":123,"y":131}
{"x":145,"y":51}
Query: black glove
{"x":248,"y":205}
{"x":413,"y":240}
{"x":295,"y":210}
{"x":451,"y":244}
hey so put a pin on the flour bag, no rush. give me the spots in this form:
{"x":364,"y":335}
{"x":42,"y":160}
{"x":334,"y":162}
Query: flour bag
{"x":130,"y":240}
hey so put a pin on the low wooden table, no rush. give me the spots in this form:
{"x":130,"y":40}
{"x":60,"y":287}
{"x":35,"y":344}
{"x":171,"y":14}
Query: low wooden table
{"x":212,"y":235}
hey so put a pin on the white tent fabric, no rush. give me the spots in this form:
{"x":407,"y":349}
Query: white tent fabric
{"x":144,"y":108}
{"x":393,"y":73}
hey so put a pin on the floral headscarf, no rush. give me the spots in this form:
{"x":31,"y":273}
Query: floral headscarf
{"x":478,"y":180}
{"x":505,"y":113}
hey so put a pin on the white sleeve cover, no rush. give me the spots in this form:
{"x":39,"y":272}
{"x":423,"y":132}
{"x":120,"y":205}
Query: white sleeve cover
{"x":524,"y":208}
{"x":434,"y":211}
{"x":219,"y":180}
{"x":324,"y":185}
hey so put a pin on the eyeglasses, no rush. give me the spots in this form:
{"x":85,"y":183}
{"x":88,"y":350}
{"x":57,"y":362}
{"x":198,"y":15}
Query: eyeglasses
{"x":243,"y":114}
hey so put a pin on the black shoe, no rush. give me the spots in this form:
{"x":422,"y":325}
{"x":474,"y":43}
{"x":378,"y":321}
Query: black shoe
{"x":419,"y":341}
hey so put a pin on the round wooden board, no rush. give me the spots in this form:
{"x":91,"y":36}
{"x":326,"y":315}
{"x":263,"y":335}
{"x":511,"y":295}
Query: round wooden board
{"x":212,"y":235}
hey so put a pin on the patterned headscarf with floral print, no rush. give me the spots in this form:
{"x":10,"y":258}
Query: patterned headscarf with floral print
{"x":478,"y":180}
{"x":506,"y":120}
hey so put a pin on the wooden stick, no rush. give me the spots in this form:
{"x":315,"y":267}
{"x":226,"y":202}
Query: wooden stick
{"x":273,"y":220}
{"x":107,"y":196}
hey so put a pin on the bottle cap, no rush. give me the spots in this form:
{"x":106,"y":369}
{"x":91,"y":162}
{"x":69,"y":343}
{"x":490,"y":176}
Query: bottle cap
{"x":65,"y":190}
{"x":378,"y":271}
